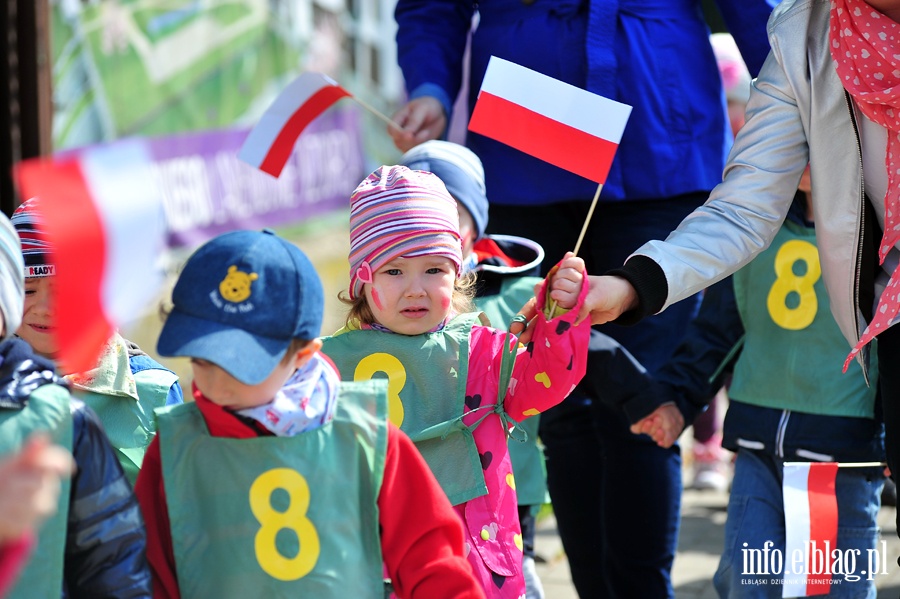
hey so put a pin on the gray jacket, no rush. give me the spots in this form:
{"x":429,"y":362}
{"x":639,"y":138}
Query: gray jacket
{"x":798,"y":113}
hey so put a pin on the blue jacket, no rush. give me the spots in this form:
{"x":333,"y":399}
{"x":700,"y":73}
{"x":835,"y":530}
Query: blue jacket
{"x":651,"y":54}
{"x":698,"y":369}
{"x":139,"y":361}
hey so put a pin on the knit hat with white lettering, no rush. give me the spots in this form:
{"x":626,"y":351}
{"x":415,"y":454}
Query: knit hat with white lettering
{"x":37,"y":251}
{"x":397,"y":212}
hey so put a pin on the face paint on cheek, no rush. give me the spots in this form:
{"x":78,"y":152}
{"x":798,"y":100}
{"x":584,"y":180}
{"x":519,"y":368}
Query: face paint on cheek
{"x":445,"y":303}
{"x":376,"y":299}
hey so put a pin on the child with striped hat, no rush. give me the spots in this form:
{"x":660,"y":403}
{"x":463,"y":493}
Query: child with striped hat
{"x":456,"y":386}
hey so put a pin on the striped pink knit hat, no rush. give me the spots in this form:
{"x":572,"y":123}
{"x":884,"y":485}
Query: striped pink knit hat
{"x":398,"y":212}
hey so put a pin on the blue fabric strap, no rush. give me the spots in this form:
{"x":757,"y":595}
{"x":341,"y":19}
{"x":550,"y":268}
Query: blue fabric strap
{"x":600,"y":50}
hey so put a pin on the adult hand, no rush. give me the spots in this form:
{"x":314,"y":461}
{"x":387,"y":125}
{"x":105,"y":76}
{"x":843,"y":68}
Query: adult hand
{"x":608,"y":297}
{"x":422,"y":119}
{"x":663,"y":425}
{"x":29,"y":485}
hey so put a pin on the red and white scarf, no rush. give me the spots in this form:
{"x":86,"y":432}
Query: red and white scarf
{"x":865,"y":47}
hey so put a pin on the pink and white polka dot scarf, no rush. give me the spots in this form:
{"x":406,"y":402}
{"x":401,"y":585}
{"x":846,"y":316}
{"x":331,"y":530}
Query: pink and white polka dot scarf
{"x":865,"y":47}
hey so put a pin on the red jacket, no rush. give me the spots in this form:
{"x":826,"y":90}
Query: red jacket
{"x":421,"y":536}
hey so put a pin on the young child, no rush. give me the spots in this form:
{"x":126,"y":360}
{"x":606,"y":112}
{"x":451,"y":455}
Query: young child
{"x":711,"y":464}
{"x":505,"y":267}
{"x":292,"y":479}
{"x":94,"y":545}
{"x":453,"y":383}
{"x":29,"y":495}
{"x":789,"y":402}
{"x":125,"y":386}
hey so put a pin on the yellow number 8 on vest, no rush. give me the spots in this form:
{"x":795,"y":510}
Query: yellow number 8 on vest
{"x":396,"y":376}
{"x":788,"y":283}
{"x":293,"y":518}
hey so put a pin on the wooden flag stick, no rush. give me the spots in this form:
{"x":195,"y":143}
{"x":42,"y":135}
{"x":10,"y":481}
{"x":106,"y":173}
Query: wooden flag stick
{"x":377,"y":113}
{"x":587,"y":219}
{"x":584,"y":228}
{"x":849,"y":464}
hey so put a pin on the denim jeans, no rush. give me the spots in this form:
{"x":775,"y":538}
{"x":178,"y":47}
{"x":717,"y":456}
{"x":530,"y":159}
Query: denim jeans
{"x":756,"y":515}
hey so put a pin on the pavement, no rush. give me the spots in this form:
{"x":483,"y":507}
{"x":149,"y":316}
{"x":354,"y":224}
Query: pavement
{"x":699,"y":547}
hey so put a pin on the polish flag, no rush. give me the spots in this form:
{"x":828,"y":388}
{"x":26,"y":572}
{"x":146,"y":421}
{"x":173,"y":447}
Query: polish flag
{"x":271,"y":141}
{"x":103,"y":213}
{"x":811,"y":524}
{"x":559,"y":123}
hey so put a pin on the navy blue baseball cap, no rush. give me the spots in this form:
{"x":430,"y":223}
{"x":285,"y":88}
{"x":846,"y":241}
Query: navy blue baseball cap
{"x":240,"y":300}
{"x":460,"y":170}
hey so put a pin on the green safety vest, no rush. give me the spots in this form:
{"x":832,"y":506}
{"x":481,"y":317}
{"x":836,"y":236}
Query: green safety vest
{"x":785,"y":310}
{"x":278,"y":516}
{"x":527,"y":458}
{"x":129,"y":423}
{"x":426,"y":394}
{"x":49,"y":410}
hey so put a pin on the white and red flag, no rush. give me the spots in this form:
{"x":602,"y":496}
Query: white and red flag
{"x":103,"y":215}
{"x":810,"y":526}
{"x":549,"y":119}
{"x":271,"y":141}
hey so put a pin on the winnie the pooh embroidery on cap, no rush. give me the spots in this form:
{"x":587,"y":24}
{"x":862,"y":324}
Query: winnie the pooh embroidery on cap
{"x":235,"y":287}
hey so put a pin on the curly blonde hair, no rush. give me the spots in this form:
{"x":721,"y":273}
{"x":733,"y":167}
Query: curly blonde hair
{"x":460,"y":302}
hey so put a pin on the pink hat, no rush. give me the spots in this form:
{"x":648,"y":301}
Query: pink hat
{"x":735,"y":76}
{"x":398,"y":212}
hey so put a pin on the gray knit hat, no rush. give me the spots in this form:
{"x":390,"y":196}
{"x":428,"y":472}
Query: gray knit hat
{"x":460,"y":170}
{"x":12,"y":279}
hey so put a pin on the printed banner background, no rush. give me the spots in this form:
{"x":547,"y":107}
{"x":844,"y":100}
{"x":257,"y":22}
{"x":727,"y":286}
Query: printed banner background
{"x":196,"y":74}
{"x":193,"y":76}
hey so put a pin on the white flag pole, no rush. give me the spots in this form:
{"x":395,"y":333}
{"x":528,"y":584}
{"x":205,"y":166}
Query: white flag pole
{"x":845,"y":464}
